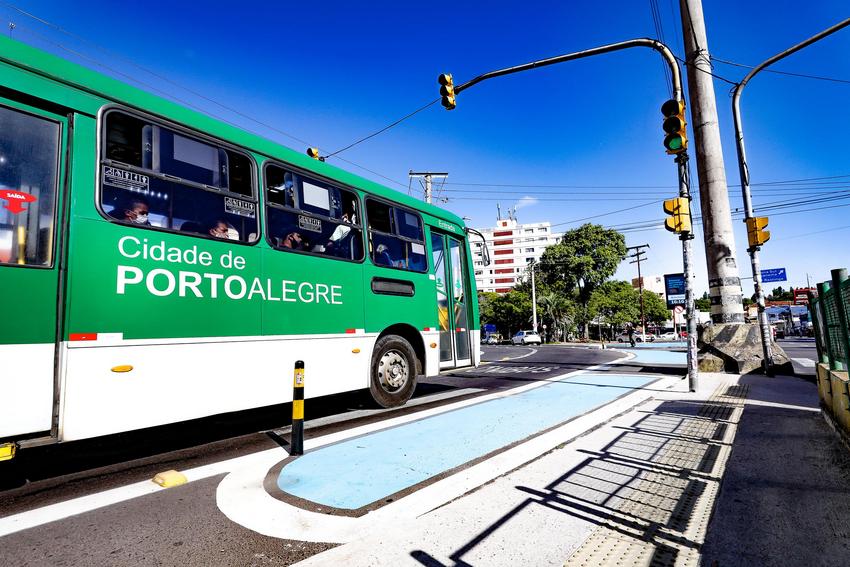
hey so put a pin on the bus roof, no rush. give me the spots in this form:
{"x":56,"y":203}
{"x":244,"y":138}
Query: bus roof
{"x":105,"y":88}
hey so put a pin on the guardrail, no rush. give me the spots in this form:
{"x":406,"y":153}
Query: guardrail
{"x":830,"y":312}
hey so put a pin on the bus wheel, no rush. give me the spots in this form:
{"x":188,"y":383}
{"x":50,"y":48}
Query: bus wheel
{"x":393,"y":372}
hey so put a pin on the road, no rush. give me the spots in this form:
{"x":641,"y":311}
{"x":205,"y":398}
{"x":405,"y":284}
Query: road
{"x":93,"y":502}
{"x":803,"y":354}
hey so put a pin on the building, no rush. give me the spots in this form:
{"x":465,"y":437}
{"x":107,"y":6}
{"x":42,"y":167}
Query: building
{"x":655,"y":284}
{"x":512,"y":246}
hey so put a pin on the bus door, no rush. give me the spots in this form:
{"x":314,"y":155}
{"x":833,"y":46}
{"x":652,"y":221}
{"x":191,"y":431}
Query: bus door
{"x":31,"y":150}
{"x":451,"y":273}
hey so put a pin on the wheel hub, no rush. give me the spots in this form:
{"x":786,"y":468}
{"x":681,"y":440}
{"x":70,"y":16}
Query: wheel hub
{"x":393,"y":371}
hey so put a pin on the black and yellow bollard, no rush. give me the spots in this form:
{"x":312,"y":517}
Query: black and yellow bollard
{"x":298,"y":410}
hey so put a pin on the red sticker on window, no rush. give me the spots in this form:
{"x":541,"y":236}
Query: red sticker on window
{"x":16,"y":200}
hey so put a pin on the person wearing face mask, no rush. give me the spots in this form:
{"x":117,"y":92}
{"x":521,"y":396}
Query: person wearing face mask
{"x":136,"y":212}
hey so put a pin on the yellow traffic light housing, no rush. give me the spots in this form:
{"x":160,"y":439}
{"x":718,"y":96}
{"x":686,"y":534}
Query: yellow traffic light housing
{"x":313,"y":153}
{"x":756,"y":234}
{"x":676,"y":139}
{"x":447,"y":91}
{"x":680,"y":215}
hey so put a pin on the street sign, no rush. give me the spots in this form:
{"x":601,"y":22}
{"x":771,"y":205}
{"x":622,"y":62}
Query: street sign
{"x":678,"y":309}
{"x":774,"y":275}
{"x":489,"y":328}
{"x":674,"y":289}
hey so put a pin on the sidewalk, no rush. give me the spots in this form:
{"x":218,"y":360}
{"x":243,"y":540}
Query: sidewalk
{"x":640,"y":489}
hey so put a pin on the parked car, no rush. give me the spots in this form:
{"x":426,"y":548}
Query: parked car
{"x":624,"y":337}
{"x":526,"y":338}
{"x":668,"y":336}
{"x":490,"y":340}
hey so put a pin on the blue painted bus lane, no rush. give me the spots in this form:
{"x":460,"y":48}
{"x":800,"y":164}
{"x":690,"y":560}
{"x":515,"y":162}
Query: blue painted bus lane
{"x":362,"y":470}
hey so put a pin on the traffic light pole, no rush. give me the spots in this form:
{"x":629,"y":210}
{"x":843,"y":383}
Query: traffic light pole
{"x":687,"y":265}
{"x":676,"y":77}
{"x":681,"y":158}
{"x":744,"y":171}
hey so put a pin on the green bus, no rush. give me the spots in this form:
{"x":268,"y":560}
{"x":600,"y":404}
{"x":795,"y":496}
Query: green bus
{"x":158,"y":265}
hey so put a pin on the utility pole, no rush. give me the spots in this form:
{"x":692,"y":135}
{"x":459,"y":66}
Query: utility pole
{"x":533,"y":299}
{"x":427,"y":175}
{"x":723,"y":278}
{"x":637,"y":258}
{"x":766,"y":339}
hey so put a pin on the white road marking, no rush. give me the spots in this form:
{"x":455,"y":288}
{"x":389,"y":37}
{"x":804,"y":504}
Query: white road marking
{"x":242,"y":498}
{"x":533,"y":350}
{"x":245,"y":483}
{"x":807,"y":362}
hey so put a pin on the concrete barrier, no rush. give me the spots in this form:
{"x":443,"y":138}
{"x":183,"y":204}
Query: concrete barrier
{"x":840,"y":399}
{"x":824,"y":387}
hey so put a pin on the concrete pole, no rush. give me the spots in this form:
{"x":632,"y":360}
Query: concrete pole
{"x":428,"y":188}
{"x":533,"y":301}
{"x":724,"y":282}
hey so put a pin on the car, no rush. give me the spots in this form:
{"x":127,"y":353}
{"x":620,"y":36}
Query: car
{"x":526,"y":338}
{"x":668,"y":336}
{"x":624,"y":337}
{"x":490,"y":340}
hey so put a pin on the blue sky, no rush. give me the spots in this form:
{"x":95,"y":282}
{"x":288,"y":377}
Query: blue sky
{"x":329,"y":73}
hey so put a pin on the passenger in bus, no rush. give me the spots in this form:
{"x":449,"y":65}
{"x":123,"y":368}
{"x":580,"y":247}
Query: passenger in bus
{"x":336,"y":243}
{"x":382,"y":256}
{"x":135,"y":211}
{"x":222,"y":229}
{"x":295,"y":241}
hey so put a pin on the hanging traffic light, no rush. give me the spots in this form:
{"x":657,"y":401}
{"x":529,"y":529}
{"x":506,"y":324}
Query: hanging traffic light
{"x":676,"y":140}
{"x":756,"y":234}
{"x":680,"y":215}
{"x":314,"y":153}
{"x":447,"y":91}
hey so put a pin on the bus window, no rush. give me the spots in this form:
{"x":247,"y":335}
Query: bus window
{"x":396,"y":237}
{"x":307,"y":215}
{"x":154,"y":176}
{"x":29,"y":158}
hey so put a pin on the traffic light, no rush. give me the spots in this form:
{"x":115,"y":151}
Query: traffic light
{"x":756,"y":234}
{"x":676,"y":140}
{"x":447,"y":91}
{"x":680,"y":215}
{"x":314,"y":153}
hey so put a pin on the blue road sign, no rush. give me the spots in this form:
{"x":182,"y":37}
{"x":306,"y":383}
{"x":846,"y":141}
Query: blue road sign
{"x":674,"y":287}
{"x":489,"y":328}
{"x":774,"y":275}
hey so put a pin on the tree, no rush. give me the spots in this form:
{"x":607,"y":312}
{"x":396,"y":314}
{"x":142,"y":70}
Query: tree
{"x":703,"y":303}
{"x":510,"y":312}
{"x":616,"y":302}
{"x":581,"y":262}
{"x":655,"y":308}
{"x":559,"y":311}
{"x":779,"y":294}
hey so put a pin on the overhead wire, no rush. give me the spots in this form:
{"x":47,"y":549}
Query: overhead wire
{"x":172,"y":96}
{"x":777,"y":72}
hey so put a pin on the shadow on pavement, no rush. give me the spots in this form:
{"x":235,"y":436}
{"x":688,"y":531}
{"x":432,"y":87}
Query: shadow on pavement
{"x":646,"y":484}
{"x":786,"y":491}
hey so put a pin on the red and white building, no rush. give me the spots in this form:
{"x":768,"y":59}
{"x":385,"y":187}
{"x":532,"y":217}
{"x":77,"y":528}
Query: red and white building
{"x":512,"y":246}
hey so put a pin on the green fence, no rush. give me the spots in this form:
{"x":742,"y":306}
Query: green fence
{"x":830,"y":311}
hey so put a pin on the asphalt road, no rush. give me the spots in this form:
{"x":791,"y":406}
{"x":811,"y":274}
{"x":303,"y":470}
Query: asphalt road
{"x":803,"y":354}
{"x":183,"y":525}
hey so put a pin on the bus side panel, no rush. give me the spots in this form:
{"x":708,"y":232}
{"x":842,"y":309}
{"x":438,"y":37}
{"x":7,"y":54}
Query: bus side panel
{"x":419,"y":311}
{"x":177,"y":381}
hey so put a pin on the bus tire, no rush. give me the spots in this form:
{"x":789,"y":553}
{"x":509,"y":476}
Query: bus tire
{"x":393,"y":372}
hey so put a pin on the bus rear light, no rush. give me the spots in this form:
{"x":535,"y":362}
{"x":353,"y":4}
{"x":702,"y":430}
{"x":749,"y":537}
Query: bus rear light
{"x":350,"y":331}
{"x":82,"y":337}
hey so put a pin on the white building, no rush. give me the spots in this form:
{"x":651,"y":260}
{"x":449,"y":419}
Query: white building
{"x":512,"y":246}
{"x":655,"y":284}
